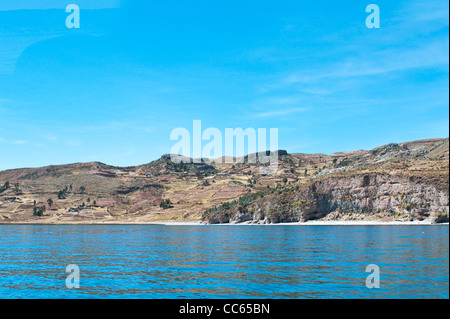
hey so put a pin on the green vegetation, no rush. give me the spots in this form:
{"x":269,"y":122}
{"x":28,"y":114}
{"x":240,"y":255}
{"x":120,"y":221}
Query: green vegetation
{"x":199,"y":175}
{"x":38,"y":211}
{"x":344,"y":162}
{"x":17,"y":190}
{"x":32,"y":175}
{"x":178,"y":167}
{"x":62,"y":194}
{"x":410,"y":206}
{"x":242,"y":201}
{"x":4,"y":187}
{"x":165,"y":204}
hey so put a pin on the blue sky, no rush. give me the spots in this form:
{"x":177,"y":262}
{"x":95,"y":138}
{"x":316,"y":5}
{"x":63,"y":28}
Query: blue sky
{"x":113,"y":90}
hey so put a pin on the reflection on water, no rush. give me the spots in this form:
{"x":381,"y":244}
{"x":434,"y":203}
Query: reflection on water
{"x":224,"y":261}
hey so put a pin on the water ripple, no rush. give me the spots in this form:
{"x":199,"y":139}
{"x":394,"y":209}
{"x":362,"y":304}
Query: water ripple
{"x":224,"y":261}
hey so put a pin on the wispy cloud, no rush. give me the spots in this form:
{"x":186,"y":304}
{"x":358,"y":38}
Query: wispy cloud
{"x":425,"y":11}
{"x":56,"y":4}
{"x":19,"y":142}
{"x":15,"y":142}
{"x":281,"y":112}
{"x":415,"y":37}
{"x":434,"y":54}
{"x":119,"y":126}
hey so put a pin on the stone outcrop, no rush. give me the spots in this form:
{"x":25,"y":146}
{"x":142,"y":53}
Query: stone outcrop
{"x":360,"y":196}
{"x":404,"y":181}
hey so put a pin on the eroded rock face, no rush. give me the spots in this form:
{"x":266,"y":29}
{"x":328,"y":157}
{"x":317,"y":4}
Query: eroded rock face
{"x":364,"y":196}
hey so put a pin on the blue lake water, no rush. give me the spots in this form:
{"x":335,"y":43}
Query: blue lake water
{"x":148,"y":261}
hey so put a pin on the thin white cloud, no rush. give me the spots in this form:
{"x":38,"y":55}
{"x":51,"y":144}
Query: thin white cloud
{"x":415,"y":38}
{"x":56,"y":4}
{"x":118,"y":126}
{"x":426,"y":11}
{"x":280,"y":112}
{"x":434,"y":54}
{"x":19,"y":142}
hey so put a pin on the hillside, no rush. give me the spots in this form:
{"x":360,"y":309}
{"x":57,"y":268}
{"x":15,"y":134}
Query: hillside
{"x":406,"y":181}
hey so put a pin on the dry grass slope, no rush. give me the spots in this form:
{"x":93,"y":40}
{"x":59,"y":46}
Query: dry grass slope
{"x":303,"y":188}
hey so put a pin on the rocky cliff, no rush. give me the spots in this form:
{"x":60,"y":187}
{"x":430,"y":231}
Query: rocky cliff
{"x":347,"y":197}
{"x":397,"y":181}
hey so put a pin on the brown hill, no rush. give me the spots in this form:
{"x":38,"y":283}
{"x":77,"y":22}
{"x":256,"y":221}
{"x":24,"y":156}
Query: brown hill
{"x":407,"y":181}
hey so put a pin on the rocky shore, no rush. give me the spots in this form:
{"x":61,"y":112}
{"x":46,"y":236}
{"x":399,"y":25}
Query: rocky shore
{"x":406,"y":182}
{"x":359,"y":197}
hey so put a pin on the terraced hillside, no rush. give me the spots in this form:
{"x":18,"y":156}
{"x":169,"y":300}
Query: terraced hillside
{"x":407,"y":181}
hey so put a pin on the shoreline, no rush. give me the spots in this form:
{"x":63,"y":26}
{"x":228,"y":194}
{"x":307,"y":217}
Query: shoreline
{"x":314,"y":223}
{"x":199,"y":223}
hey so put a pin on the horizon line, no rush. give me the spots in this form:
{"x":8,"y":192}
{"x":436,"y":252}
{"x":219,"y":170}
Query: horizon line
{"x":212,"y":160}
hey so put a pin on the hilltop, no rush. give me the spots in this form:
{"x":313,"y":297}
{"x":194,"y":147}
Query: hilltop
{"x":406,"y":181}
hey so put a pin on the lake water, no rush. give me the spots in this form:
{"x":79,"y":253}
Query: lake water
{"x":149,"y":261}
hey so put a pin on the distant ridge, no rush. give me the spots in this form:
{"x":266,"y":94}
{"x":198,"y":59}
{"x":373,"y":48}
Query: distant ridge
{"x":397,"y":181}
